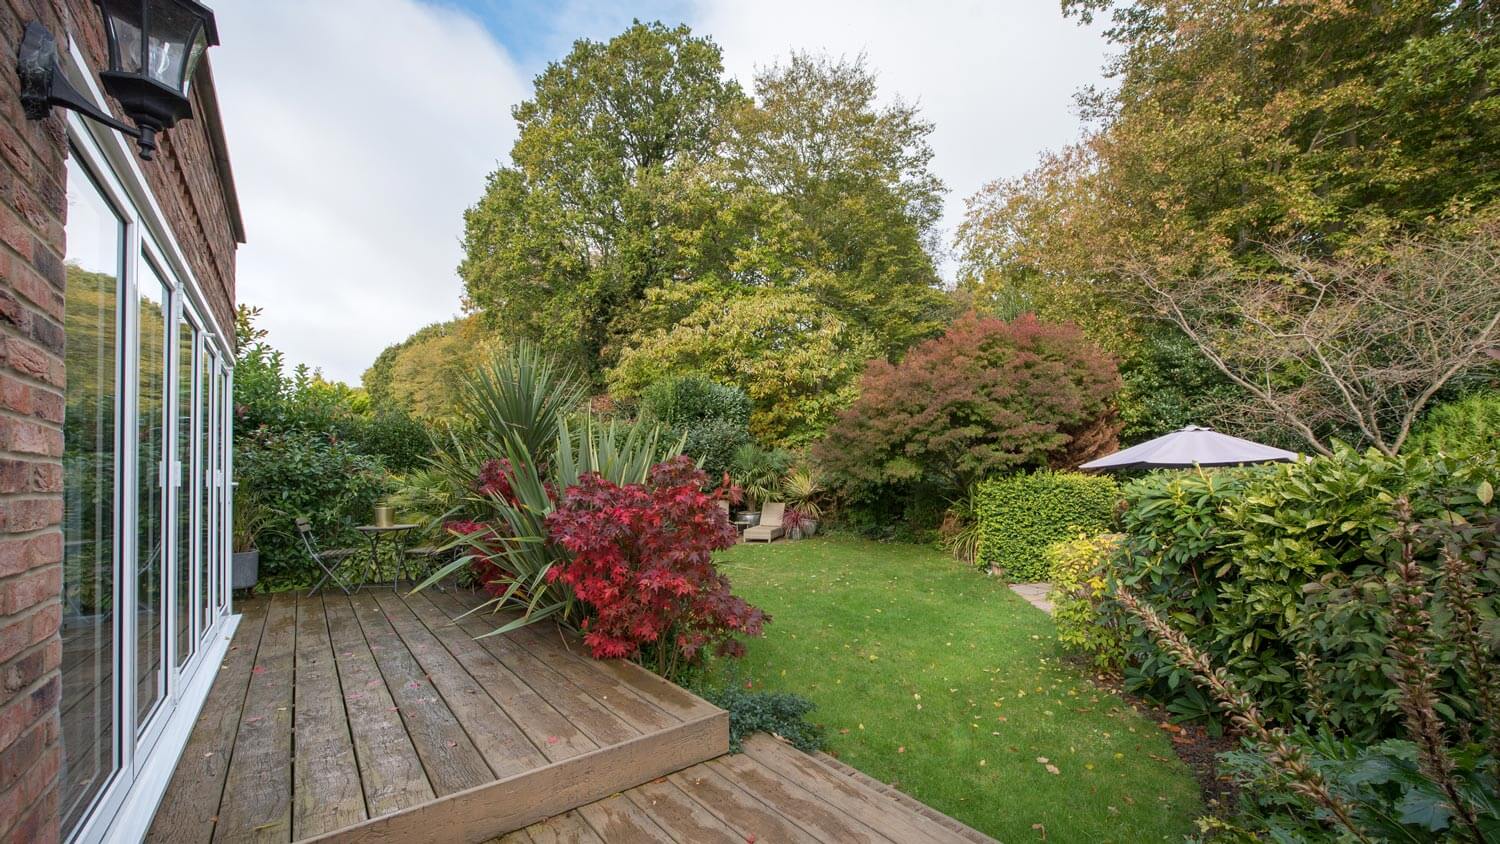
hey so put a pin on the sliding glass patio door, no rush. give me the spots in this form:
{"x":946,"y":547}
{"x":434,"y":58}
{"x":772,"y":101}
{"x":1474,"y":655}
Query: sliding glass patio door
{"x":145,"y":489}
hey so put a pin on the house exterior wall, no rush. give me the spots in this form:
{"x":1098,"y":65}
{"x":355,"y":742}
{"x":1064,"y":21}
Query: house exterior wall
{"x":196,"y":198}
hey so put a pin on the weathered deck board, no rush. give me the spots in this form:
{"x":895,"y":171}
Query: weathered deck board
{"x":497,"y":738}
{"x":802,"y":806}
{"x":839,"y":791}
{"x":452,"y":761}
{"x":390,"y":771}
{"x":681,"y":816}
{"x":646,"y":700}
{"x":547,"y":728}
{"x":739,"y":810}
{"x":570,"y":828}
{"x":375,"y":718}
{"x":619,"y":821}
{"x":190,"y":808}
{"x":597,"y":720}
{"x":326,"y":791}
{"x":260,"y":779}
{"x":737,"y":799}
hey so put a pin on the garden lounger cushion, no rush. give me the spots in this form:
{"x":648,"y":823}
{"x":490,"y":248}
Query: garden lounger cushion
{"x":770,"y":524}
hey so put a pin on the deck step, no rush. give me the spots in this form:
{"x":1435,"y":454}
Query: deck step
{"x":509,"y":804}
{"x":903,"y":799}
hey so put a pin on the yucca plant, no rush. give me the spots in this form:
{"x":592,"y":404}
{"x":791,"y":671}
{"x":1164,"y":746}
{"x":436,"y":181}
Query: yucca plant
{"x":522,"y":393}
{"x":802,"y":487}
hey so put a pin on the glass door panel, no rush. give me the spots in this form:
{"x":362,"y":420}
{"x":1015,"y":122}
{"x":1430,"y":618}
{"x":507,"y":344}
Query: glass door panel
{"x":188,"y":366}
{"x":205,"y":481}
{"x":151,"y":453}
{"x":95,"y":255}
{"x":222,"y":490}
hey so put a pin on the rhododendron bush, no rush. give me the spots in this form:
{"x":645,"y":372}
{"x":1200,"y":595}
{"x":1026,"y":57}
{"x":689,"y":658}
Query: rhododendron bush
{"x":641,"y":558}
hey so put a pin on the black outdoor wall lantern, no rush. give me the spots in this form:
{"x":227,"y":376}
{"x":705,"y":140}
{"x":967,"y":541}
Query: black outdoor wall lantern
{"x":154,"y":47}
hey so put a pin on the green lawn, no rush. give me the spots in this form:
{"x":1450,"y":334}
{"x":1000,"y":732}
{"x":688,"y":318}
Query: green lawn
{"x":934,"y":677}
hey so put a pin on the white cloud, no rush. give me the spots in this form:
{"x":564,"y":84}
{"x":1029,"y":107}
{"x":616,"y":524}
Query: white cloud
{"x":359,"y":132}
{"x":996,"y":77}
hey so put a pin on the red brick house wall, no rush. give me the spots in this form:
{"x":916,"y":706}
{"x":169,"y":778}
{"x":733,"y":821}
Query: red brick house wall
{"x":192,"y":184}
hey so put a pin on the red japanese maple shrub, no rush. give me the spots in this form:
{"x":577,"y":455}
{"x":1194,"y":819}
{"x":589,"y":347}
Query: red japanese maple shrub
{"x":642,"y":560}
{"x":987,"y":396}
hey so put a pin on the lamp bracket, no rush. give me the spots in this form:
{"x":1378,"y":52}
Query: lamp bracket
{"x":43,"y":86}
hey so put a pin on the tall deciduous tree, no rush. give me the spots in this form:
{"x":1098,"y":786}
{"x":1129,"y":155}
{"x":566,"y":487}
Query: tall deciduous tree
{"x":852,"y":178}
{"x":574,"y":231}
{"x":987,"y":396}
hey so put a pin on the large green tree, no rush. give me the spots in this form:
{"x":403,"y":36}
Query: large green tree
{"x":574,"y":230}
{"x":601,"y":238}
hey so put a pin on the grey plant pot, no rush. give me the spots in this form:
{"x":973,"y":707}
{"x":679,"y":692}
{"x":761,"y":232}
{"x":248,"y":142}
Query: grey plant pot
{"x":246,"y":569}
{"x":809,"y":528}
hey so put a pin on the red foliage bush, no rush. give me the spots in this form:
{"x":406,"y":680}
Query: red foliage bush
{"x":987,"y":396}
{"x":642,"y":559}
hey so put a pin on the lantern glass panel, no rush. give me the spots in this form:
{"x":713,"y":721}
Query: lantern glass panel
{"x":173,"y":35}
{"x":124,"y":21}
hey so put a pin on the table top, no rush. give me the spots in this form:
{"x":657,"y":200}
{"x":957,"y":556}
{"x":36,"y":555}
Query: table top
{"x":384,"y":529}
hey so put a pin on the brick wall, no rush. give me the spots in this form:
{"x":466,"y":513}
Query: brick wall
{"x":33,"y":205}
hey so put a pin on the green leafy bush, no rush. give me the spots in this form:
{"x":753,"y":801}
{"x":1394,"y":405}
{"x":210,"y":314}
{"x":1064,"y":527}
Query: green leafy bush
{"x":691,"y":399}
{"x":312,"y":475}
{"x":778,"y":713}
{"x":1080,"y":580}
{"x":1463,"y":426}
{"x":712,"y":419}
{"x":1257,"y":568}
{"x":400,"y":440}
{"x":1020,"y":515}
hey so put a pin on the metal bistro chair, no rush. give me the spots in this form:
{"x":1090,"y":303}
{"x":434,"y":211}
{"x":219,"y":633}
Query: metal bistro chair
{"x":328,"y":560}
{"x":426,"y":559}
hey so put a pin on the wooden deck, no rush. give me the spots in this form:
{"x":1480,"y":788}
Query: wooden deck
{"x":771,"y":792}
{"x":380,"y":718}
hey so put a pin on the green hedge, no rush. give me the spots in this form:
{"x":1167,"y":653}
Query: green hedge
{"x":1020,"y":515}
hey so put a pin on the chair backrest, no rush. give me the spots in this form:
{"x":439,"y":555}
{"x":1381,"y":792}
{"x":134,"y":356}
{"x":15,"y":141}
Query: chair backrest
{"x":772,"y":514}
{"x":304,"y":530}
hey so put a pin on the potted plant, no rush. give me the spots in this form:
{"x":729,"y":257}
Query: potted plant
{"x":250,"y":518}
{"x":795,"y":524}
{"x":801,"y":488}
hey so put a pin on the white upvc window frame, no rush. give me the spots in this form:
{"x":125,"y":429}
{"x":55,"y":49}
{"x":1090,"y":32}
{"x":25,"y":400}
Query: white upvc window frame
{"x":148,"y":752}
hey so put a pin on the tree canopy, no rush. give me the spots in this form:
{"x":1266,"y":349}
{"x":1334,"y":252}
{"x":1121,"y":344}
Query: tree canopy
{"x":646,"y":188}
{"x":424,"y":373}
{"x":1237,"y":131}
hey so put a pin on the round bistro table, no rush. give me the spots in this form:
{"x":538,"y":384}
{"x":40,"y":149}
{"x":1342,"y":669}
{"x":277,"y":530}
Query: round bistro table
{"x":375,"y":533}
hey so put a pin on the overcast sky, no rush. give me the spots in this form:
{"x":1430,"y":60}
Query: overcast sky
{"x":360,"y":130}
